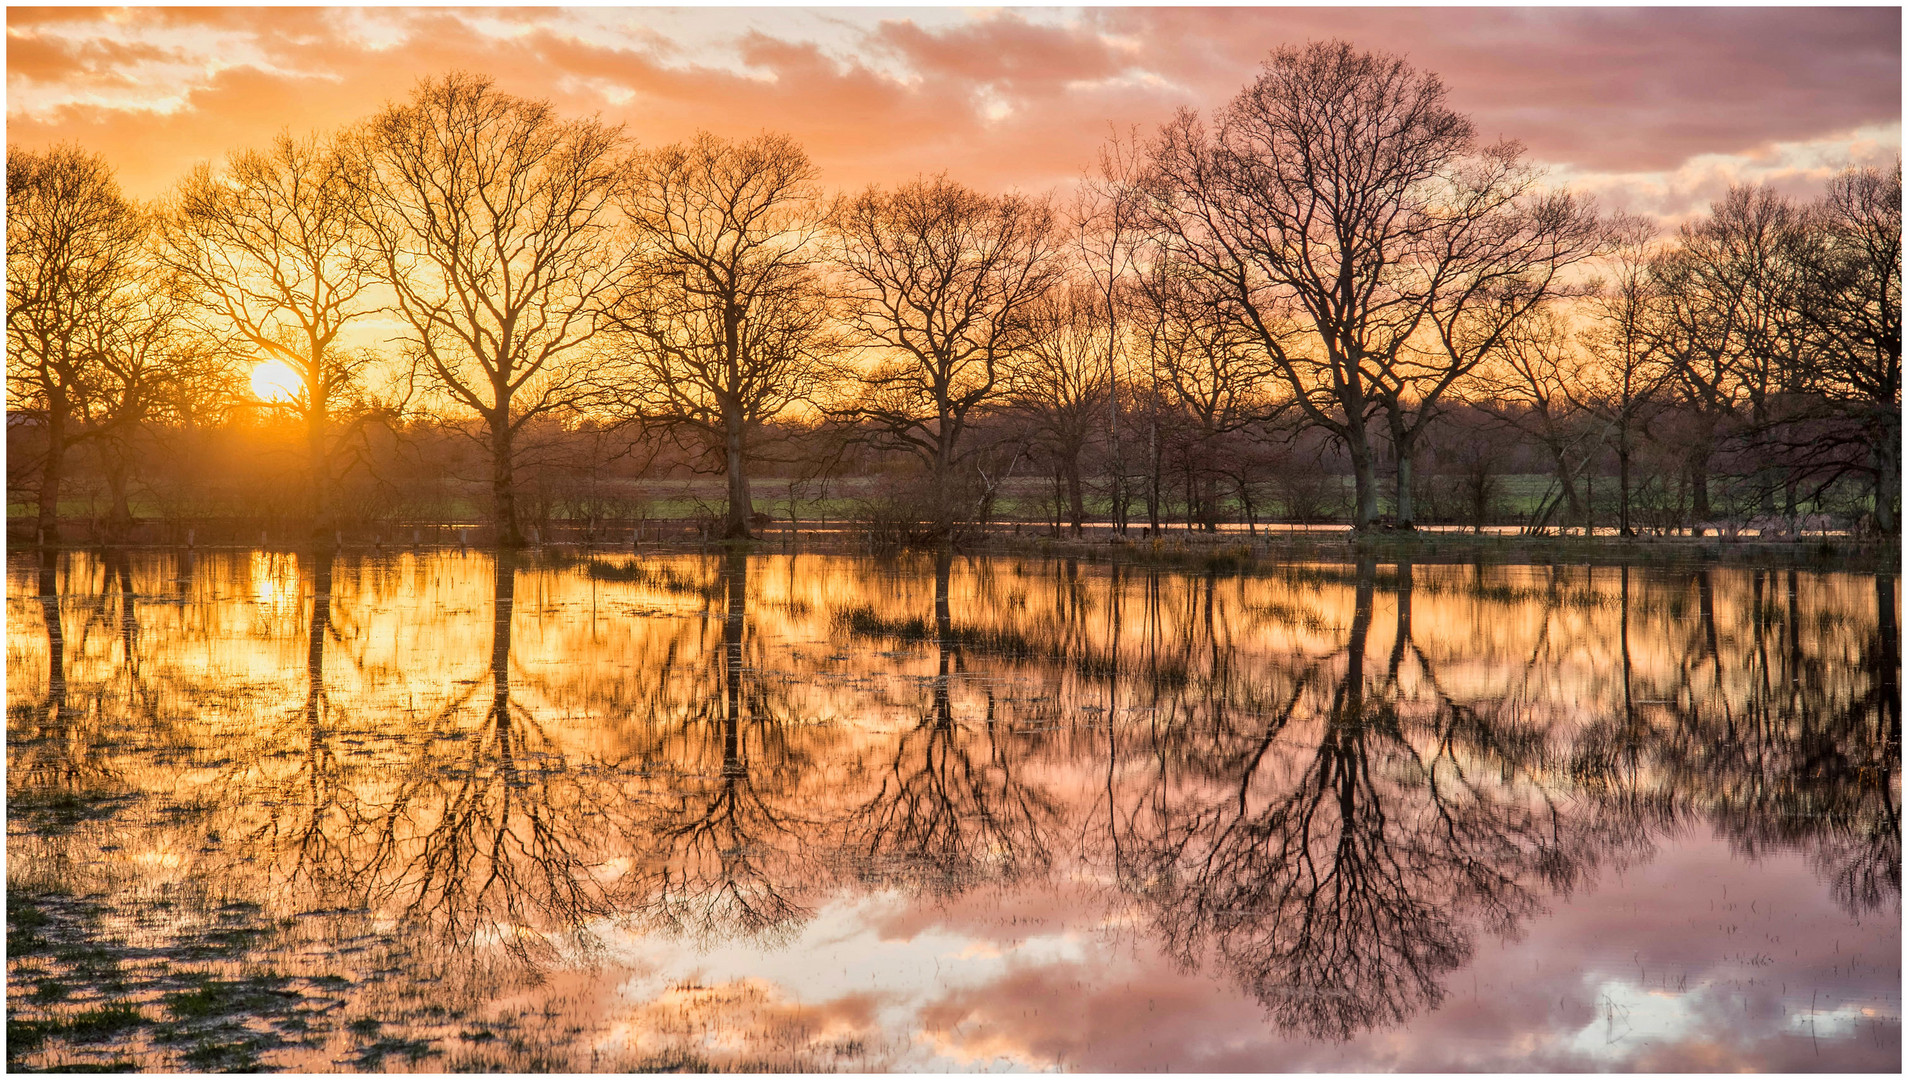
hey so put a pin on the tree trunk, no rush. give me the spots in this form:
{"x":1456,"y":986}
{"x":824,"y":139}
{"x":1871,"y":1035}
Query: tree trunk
{"x":1590,"y":497}
{"x":1076,"y":496}
{"x":1364,"y":483}
{"x":1887,"y":454}
{"x":1191,"y":497}
{"x":119,"y":516}
{"x":1573,"y":503}
{"x":1407,"y":513}
{"x":1699,"y":486}
{"x":321,"y":523}
{"x":51,"y":473}
{"x":943,"y":475}
{"x":1623,"y":482}
{"x":1401,"y":447}
{"x":1152,"y":487}
{"x":741,"y":506}
{"x":503,"y":488}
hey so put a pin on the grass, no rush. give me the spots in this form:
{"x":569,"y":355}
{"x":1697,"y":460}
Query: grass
{"x":867,"y":624}
{"x":371,"y":1056}
{"x":54,"y":813}
{"x":220,"y":998}
{"x":72,"y":986}
{"x":1226,"y":553}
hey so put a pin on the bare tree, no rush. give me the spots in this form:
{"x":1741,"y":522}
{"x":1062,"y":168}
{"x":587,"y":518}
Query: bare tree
{"x":1496,"y":247}
{"x":86,"y":318}
{"x":1209,"y":372}
{"x":493,"y":219}
{"x":1056,"y":381}
{"x":1849,"y":308}
{"x":1372,"y":248}
{"x":1620,"y":373}
{"x":1108,"y":229}
{"x":725,"y":320}
{"x":941,"y":282}
{"x":147,"y":361}
{"x":276,"y":257}
{"x":1727,"y":324}
{"x":1530,"y":389}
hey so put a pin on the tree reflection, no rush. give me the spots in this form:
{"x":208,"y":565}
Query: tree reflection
{"x":722,"y":859}
{"x":51,"y":760}
{"x":309,"y":813}
{"x":1807,"y":755}
{"x":1328,"y":786}
{"x":504,"y":837}
{"x":1356,"y":838}
{"x":950,"y":810}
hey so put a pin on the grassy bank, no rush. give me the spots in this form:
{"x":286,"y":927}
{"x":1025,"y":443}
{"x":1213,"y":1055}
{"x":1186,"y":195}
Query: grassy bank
{"x":1237,"y":553}
{"x":1228,"y":551}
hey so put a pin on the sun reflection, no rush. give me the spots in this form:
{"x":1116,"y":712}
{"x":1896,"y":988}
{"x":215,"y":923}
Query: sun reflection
{"x":275,"y":581}
{"x":274,"y":382}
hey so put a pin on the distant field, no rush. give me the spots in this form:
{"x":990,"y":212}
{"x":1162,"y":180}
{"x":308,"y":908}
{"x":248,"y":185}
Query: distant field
{"x":1518,"y":497}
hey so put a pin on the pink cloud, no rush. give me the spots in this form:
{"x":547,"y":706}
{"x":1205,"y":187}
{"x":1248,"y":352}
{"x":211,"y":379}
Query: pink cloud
{"x":1016,"y":99}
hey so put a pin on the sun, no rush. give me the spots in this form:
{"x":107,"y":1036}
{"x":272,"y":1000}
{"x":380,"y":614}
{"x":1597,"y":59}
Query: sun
{"x":273,"y":382}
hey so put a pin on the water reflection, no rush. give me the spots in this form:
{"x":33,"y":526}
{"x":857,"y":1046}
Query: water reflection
{"x":1326,"y":787}
{"x":724,"y":857}
{"x":1340,"y":852}
{"x":948,"y":809}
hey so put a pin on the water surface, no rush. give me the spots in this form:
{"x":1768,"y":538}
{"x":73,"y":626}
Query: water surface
{"x":442,"y":811}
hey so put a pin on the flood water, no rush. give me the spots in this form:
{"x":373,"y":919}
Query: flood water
{"x":437,"y":811}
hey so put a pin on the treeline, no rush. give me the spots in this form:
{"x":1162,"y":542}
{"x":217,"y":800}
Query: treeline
{"x":1327,"y":299}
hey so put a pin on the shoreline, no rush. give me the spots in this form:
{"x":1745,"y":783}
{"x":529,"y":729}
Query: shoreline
{"x":1198,"y":552}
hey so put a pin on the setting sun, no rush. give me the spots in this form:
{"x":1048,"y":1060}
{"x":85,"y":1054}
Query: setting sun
{"x":274,"y":383}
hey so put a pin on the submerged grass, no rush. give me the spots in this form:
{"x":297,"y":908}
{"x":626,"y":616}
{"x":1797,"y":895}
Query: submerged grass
{"x":867,"y":624}
{"x":83,"y":999}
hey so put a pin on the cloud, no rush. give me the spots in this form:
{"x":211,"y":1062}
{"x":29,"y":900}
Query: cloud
{"x":1594,"y":88}
{"x":1653,"y":106}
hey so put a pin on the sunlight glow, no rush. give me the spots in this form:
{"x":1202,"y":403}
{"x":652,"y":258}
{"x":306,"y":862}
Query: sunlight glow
{"x":274,"y":382}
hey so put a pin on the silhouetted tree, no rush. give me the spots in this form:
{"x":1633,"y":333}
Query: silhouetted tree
{"x":1372,"y":249}
{"x":493,"y":219}
{"x":275,"y":256}
{"x":940,"y":284}
{"x":1056,"y":383}
{"x":87,"y":320}
{"x":1849,"y":308}
{"x":724,"y":321}
{"x":1727,"y":325}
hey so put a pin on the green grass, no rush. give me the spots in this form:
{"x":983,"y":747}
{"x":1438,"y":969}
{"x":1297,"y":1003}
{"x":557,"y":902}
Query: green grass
{"x":60,"y":954}
{"x":100,"y":1024}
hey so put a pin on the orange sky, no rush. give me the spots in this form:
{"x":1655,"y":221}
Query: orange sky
{"x":1653,"y":110}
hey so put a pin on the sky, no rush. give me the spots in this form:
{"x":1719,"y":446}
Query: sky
{"x":1653,"y":111}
